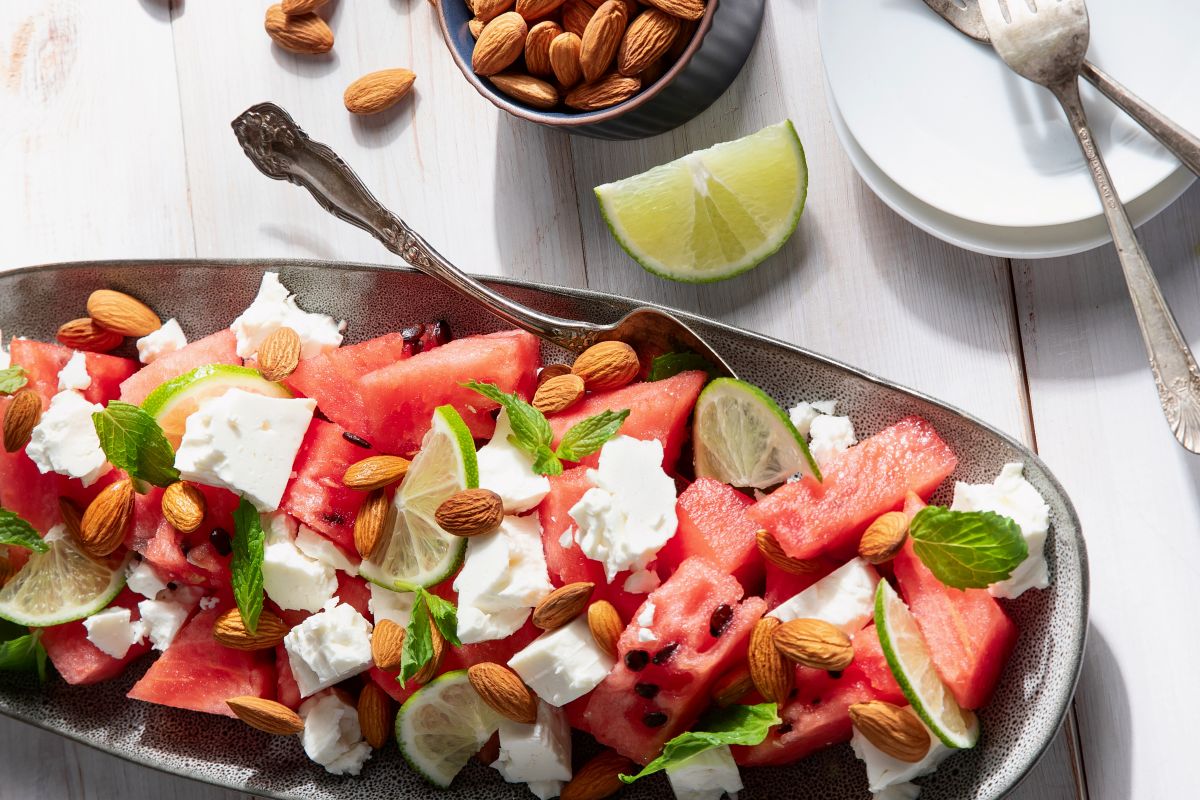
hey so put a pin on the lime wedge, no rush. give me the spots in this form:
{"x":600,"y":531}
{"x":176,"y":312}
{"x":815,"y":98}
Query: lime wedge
{"x":417,"y":550}
{"x":714,"y":213}
{"x":743,"y":438}
{"x":908,"y":656}
{"x":442,"y":725}
{"x":60,"y":585}
{"x":177,"y":399}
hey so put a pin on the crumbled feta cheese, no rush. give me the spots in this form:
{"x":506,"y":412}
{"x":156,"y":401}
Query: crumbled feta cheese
{"x":539,"y":754}
{"x":629,"y":513}
{"x":645,"y":617}
{"x":503,"y":577}
{"x":65,"y":440}
{"x":274,"y":308}
{"x":386,"y":604}
{"x":844,"y":597}
{"x":563,"y":665}
{"x":246,"y":443}
{"x":209,"y":603}
{"x":645,"y":636}
{"x":802,"y":414}
{"x":112,"y":632}
{"x":883,"y":771}
{"x":295,"y":581}
{"x":332,"y":736}
{"x":318,"y":548}
{"x":161,"y":620}
{"x":279,"y":527}
{"x":328,"y":647}
{"x":164,"y":341}
{"x":1012,"y":496}
{"x":567,"y":539}
{"x":708,"y":775}
{"x":508,"y":471}
{"x":75,"y":374}
{"x":830,"y":436}
{"x":643,"y":581}
{"x":142,"y":578}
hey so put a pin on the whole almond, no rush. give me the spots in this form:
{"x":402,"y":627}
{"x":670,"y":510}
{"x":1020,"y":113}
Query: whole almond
{"x":558,"y":394}
{"x":292,"y":7}
{"x":562,"y":605}
{"x":772,"y":674}
{"x":471,"y":512}
{"x":476,"y":25}
{"x":87,"y":335}
{"x":732,"y":686}
{"x":599,"y":778}
{"x":376,"y":472}
{"x":604,"y":621}
{"x":279,"y":354}
{"x":537,"y":48}
{"x":306,"y":34}
{"x":884,"y":537}
{"x":770,"y":550}
{"x":537,"y":9}
{"x":602,"y":38}
{"x":184,"y":506}
{"x":894,"y":730}
{"x":122,"y":314}
{"x":375,"y":718}
{"x":488,"y":10}
{"x":370,"y":524}
{"x":427,"y":672}
{"x":387,"y":645}
{"x":503,"y":690}
{"x":649,"y":37}
{"x":576,"y":14}
{"x":378,"y":91}
{"x":814,"y":643}
{"x":527,"y":89}
{"x":604,"y":93}
{"x":607,"y":365}
{"x":230,"y":631}
{"x":500,"y":44}
{"x":23,"y":414}
{"x":684,"y":9}
{"x":552,"y":371}
{"x":72,"y":517}
{"x":104,"y":523}
{"x":564,"y":60}
{"x":266,"y":715}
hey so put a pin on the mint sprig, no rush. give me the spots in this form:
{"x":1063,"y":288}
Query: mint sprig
{"x":745,"y":725}
{"x":967,"y":549}
{"x":428,"y":610}
{"x":133,"y":441}
{"x":21,"y":650}
{"x":16,"y":531}
{"x":12,"y":379}
{"x":249,"y":544}
{"x":669,"y":365}
{"x":589,"y":435}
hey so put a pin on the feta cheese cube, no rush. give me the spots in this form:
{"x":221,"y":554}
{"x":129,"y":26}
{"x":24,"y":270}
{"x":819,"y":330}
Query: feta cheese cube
{"x":328,"y":647}
{"x":883,"y":771}
{"x":539,"y":754}
{"x":508,"y":471}
{"x":246,"y":443}
{"x":318,"y":548}
{"x":295,"y":581}
{"x":844,"y":597}
{"x":332,"y":736}
{"x":112,"y":632}
{"x":161,"y":620}
{"x":503,"y":577}
{"x":142,"y":578}
{"x":274,"y":308}
{"x":830,"y":436}
{"x":164,"y":341}
{"x":563,"y":665}
{"x":708,"y":775}
{"x":65,"y":439}
{"x":386,"y":604}
{"x":802,"y":414}
{"x":75,"y":374}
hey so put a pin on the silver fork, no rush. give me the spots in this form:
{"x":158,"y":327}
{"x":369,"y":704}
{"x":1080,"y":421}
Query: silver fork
{"x":1046,"y":43}
{"x":1184,"y":145}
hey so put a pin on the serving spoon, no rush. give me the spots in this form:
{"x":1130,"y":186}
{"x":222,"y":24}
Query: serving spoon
{"x":281,"y":150}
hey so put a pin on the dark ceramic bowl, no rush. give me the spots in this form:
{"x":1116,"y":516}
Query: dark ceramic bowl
{"x":718,"y":50}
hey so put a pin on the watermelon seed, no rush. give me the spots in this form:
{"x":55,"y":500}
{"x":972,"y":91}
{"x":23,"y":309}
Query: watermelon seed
{"x":172,"y":586}
{"x":334,"y":518}
{"x":356,"y":440}
{"x":718,"y":623}
{"x":655,"y":719}
{"x":664,"y":655}
{"x":784,"y":728}
{"x":647,"y":690}
{"x":835,"y":673}
{"x":637,"y":660}
{"x":219,"y":538}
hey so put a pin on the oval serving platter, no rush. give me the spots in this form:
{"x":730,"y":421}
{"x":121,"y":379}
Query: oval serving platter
{"x":1019,"y":724}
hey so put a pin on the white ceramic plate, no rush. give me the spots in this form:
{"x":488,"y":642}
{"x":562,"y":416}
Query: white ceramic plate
{"x":952,"y":126}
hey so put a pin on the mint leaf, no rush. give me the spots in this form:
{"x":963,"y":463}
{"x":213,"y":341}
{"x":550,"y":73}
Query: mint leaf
{"x":418,"y":640}
{"x":586,"y":437}
{"x":22,"y":654}
{"x":671,"y":364}
{"x":545,"y":462}
{"x":445,"y":616}
{"x":16,"y":531}
{"x":12,"y":379}
{"x":133,"y":441}
{"x":967,"y":549}
{"x":249,"y":542}
{"x":531,"y":430}
{"x":746,"y":725}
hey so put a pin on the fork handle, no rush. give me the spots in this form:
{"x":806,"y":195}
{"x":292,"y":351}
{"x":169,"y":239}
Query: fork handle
{"x":1175,"y":373}
{"x":1183,"y":144}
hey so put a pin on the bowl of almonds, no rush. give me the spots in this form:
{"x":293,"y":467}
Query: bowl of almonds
{"x":611,"y":69}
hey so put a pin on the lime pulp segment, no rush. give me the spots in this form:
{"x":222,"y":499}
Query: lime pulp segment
{"x":177,"y":399}
{"x":60,"y":585}
{"x":442,"y":725}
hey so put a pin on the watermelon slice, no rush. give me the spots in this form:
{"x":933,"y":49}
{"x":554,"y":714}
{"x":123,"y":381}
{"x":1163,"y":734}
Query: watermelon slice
{"x":713,"y":525}
{"x":198,"y":674}
{"x":316,"y":495}
{"x":635,"y":711}
{"x":810,"y":518}
{"x":354,"y":592}
{"x":43,"y":362}
{"x":658,"y":410}
{"x":81,"y":662}
{"x":220,"y":348}
{"x":333,"y":378}
{"x":287,"y":691}
{"x":190,"y":559}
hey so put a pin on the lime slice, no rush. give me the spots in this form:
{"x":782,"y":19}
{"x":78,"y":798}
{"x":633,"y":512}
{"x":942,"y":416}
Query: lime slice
{"x":177,"y":399}
{"x":442,"y":725}
{"x":908,"y":656}
{"x":743,"y":438}
{"x":60,"y":585}
{"x":714,"y":213}
{"x":417,"y":550}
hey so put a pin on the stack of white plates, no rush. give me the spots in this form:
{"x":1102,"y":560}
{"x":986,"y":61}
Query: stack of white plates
{"x":965,"y":149}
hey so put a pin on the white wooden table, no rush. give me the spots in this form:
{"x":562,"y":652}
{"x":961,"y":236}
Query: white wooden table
{"x":115,"y":143}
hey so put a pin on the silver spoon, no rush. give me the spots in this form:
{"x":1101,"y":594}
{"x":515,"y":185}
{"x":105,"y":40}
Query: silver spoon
{"x":281,"y":150}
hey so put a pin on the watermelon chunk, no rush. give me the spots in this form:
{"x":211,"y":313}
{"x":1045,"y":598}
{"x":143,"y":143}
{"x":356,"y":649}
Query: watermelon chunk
{"x":220,"y":348}
{"x":198,"y":674}
{"x":713,"y":525}
{"x":868,"y":654}
{"x":287,"y":691}
{"x":81,"y":662}
{"x":43,"y":361}
{"x":658,"y":410}
{"x":810,"y":518}
{"x":316,"y":495}
{"x":354,"y":592}
{"x":333,"y":378}
{"x":399,"y":399}
{"x":682,"y":664}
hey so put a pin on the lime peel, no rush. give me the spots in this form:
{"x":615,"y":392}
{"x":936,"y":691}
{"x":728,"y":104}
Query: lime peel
{"x":442,"y":725}
{"x":60,"y":585}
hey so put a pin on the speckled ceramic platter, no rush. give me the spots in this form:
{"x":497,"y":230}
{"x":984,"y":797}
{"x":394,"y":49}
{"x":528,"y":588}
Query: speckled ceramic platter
{"x":1018,"y":725}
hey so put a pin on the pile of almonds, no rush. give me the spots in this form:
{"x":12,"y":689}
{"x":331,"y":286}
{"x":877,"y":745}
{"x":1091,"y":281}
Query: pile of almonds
{"x":585,"y":54}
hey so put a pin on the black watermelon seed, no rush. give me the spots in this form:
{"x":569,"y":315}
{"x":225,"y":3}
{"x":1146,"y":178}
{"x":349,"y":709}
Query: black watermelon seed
{"x":664,"y":655}
{"x":637,"y":660}
{"x":334,"y":518}
{"x":647,"y":690}
{"x":784,"y":728}
{"x":172,"y":586}
{"x":358,"y":441}
{"x":219,"y":538}
{"x":835,"y":673}
{"x":655,"y":719}
{"x":718,"y":623}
